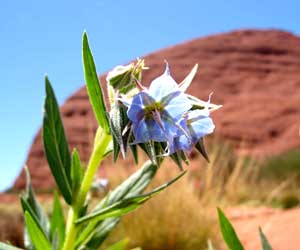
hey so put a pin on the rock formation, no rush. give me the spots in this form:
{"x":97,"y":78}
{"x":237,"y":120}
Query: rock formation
{"x":255,"y":74}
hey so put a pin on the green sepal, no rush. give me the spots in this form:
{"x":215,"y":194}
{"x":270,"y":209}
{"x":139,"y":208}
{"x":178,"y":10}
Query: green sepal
{"x":153,"y":151}
{"x":125,"y":206}
{"x":36,"y":234}
{"x":55,"y":144}
{"x":228,"y":232}
{"x":93,"y":85}
{"x":184,"y":157}
{"x":118,"y":123}
{"x":116,"y":147}
{"x":57,"y":221}
{"x":201,"y":149}
{"x":177,"y":159}
{"x":122,"y":78}
{"x":124,"y":82}
{"x":264,"y":241}
{"x":134,"y":152}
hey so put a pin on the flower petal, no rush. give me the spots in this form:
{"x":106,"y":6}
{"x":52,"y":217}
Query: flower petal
{"x":176,"y":104}
{"x":162,"y":86}
{"x":141,"y":132}
{"x":188,"y":80}
{"x":200,"y":125}
{"x":146,"y":130}
{"x":198,"y":114}
{"x":180,"y":143}
{"x":170,"y":126}
{"x":136,"y":110}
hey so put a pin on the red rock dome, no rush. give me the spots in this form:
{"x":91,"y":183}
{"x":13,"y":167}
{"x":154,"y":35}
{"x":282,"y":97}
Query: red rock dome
{"x":255,"y":74}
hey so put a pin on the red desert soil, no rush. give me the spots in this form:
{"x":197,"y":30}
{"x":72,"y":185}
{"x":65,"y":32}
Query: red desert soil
{"x":282,"y":228}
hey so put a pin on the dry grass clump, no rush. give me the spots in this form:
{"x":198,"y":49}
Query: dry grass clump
{"x":11,"y":225}
{"x":233,"y":180}
{"x":173,"y":220}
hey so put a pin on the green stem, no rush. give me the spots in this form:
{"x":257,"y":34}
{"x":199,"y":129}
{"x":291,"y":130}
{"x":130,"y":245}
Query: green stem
{"x":94,"y":162}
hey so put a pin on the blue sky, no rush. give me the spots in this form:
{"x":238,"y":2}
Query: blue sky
{"x":39,"y":37}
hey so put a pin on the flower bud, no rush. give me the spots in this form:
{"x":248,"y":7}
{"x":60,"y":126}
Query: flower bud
{"x":123,"y":78}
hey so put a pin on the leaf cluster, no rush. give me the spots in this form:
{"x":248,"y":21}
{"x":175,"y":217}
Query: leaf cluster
{"x":45,"y":232}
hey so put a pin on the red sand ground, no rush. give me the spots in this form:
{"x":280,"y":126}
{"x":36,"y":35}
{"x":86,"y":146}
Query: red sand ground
{"x":282,"y":228}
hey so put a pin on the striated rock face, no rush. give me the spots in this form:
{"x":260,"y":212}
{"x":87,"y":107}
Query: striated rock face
{"x":254,"y":74}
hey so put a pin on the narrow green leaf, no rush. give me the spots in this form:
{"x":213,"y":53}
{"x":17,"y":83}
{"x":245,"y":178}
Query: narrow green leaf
{"x":27,"y":242}
{"x":26,"y":207}
{"x":200,"y":147}
{"x":30,"y":198}
{"x":95,"y":233}
{"x":121,"y":245}
{"x":126,"y":205}
{"x":102,"y":232}
{"x":134,"y":185}
{"x":93,"y":86}
{"x":76,"y":171}
{"x":58,"y":221}
{"x":264,"y":241}
{"x":36,"y":234}
{"x":115,"y":210}
{"x":228,"y":232}
{"x":30,"y":204}
{"x":55,"y":242}
{"x":4,"y":246}
{"x":55,"y":144}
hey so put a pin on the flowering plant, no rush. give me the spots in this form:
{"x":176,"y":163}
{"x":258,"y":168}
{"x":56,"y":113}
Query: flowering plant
{"x":162,"y":120}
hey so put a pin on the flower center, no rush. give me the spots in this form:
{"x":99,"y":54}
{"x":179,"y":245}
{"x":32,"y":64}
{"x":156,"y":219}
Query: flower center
{"x":157,"y":106}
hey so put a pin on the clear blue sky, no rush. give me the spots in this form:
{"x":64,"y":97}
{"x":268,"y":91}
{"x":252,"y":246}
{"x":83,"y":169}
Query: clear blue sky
{"x":38,"y":37}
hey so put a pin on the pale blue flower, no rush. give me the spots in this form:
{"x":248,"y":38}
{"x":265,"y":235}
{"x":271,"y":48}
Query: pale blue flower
{"x":163,"y":113}
{"x":155,"y":113}
{"x":197,"y":124}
